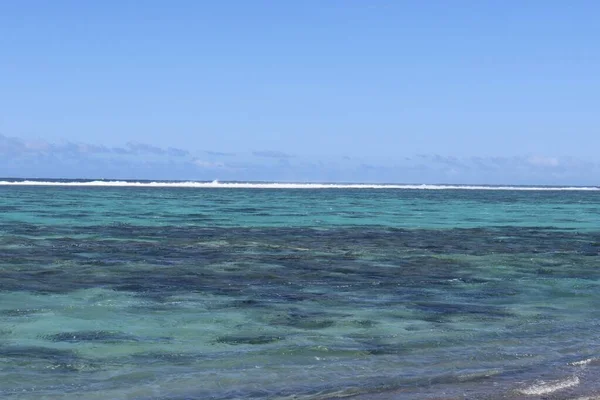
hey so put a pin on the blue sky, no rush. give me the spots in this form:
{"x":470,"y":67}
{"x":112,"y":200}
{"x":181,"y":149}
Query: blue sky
{"x":397,"y":91}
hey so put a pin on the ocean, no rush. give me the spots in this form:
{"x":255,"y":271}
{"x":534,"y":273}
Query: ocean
{"x":192,"y":290}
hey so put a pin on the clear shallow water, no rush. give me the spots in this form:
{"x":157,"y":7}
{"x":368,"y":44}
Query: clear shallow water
{"x":237,"y":293}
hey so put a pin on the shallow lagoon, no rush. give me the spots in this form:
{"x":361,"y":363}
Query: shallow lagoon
{"x":184,"y":293}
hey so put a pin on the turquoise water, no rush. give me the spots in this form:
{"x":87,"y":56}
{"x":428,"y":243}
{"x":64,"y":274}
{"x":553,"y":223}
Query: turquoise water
{"x":251,"y":293}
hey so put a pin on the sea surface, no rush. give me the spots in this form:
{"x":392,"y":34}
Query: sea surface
{"x":142,"y":290}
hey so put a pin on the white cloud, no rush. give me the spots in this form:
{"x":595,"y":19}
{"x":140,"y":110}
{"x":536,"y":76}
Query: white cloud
{"x":38,"y":145}
{"x":208,"y":164}
{"x":541,"y":161}
{"x":29,"y":158}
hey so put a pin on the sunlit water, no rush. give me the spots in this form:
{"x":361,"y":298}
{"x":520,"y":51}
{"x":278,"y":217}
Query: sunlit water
{"x":250,"y":293}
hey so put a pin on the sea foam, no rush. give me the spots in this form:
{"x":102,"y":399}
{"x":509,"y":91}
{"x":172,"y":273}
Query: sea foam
{"x":281,"y":185}
{"x":550,"y":387}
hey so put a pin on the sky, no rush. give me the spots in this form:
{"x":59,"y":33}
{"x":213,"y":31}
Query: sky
{"x":340,"y":90}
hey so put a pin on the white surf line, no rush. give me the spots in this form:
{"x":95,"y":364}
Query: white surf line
{"x":275,"y":185}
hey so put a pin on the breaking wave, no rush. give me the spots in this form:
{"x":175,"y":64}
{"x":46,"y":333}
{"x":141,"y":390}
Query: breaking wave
{"x":280,"y":185}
